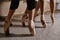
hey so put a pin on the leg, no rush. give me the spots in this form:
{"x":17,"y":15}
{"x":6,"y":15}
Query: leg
{"x":31,"y":23}
{"x":24,"y":17}
{"x":42,"y":13}
{"x":13,"y":7}
{"x":7,"y":21}
{"x":52,"y":10}
{"x":36,"y":9}
{"x":31,"y":6}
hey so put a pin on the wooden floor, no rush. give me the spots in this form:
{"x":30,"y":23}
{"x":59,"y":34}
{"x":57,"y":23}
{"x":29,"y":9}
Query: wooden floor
{"x":18,"y":32}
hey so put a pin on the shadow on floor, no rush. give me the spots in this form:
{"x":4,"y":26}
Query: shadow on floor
{"x":15,"y":35}
{"x":22,"y":26}
{"x":15,"y":20}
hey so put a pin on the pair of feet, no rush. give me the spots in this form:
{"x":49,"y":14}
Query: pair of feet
{"x":8,"y":23}
{"x":30,"y":24}
{"x":25,"y":17}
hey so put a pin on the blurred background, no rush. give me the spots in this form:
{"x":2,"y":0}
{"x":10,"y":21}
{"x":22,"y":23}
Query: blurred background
{"x":5,"y":4}
{"x":18,"y":32}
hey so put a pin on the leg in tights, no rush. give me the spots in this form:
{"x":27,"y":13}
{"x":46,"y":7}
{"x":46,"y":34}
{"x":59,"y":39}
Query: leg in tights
{"x":24,"y":17}
{"x":52,"y":10}
{"x":42,"y":13}
{"x":13,"y":7}
{"x":30,"y":7}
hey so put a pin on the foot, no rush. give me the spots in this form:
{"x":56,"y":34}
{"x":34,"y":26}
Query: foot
{"x":6,"y":27}
{"x":7,"y":32}
{"x":43,"y":23}
{"x":11,"y":24}
{"x":23,"y":20}
{"x":36,"y":15}
{"x":52,"y":18}
{"x":23,"y":24}
{"x":32,"y":28}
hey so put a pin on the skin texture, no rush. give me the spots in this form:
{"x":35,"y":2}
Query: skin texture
{"x":31,"y":15}
{"x":40,"y":5}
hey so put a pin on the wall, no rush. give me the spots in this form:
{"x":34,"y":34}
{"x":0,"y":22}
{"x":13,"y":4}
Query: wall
{"x":4,"y":7}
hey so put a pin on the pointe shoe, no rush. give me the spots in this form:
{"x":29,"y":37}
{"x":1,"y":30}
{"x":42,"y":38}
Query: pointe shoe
{"x":32,"y":28}
{"x":7,"y":32}
{"x":43,"y":23}
{"x":52,"y":18}
{"x":35,"y":16}
{"x":24,"y":19}
{"x":6,"y":27}
{"x":11,"y":24}
{"x":23,"y":24}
